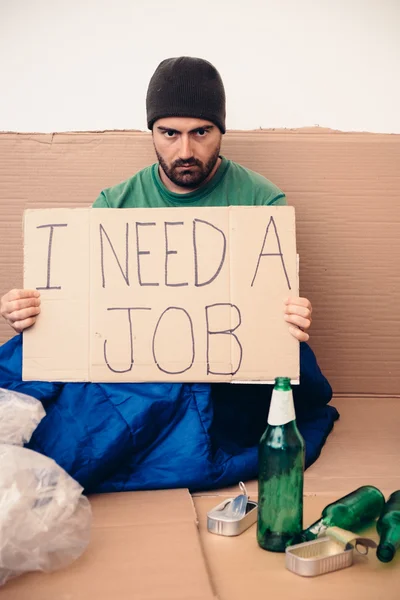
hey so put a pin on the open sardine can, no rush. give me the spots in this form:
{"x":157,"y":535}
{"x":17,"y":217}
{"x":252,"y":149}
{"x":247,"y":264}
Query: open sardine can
{"x":317,"y":557}
{"x":332,"y":552}
{"x":234,"y":515}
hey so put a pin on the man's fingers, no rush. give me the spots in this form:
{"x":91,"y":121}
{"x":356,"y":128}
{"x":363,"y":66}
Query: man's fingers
{"x":19,"y":326}
{"x":303,"y":311}
{"x":20,"y":308}
{"x":22,"y":315}
{"x":297,"y":320}
{"x":300,"y":335}
{"x":20,"y":294}
{"x":299,"y":302}
{"x":21,"y":304}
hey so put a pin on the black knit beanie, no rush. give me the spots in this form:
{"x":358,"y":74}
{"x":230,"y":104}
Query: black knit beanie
{"x":186,"y":87}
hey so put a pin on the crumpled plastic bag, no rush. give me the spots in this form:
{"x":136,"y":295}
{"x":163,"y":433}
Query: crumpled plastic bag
{"x":45,"y":520}
{"x":19,"y":416}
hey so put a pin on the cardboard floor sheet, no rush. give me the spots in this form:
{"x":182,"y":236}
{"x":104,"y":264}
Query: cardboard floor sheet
{"x":146,"y":545}
{"x":240,"y":569}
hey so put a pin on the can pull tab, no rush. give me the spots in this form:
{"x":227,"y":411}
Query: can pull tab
{"x":234,"y":509}
{"x":362,"y":545}
{"x":350,"y":540}
{"x":237,"y":508}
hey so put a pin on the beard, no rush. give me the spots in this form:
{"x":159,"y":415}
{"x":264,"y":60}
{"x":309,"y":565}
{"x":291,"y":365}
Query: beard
{"x":194,"y":173}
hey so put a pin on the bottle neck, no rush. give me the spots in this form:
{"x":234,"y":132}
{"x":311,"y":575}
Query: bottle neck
{"x":385,"y":552}
{"x":281,"y":410}
{"x":315,"y":530}
{"x":389,"y":543}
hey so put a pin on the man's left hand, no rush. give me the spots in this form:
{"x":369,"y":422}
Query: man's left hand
{"x":298,"y":316}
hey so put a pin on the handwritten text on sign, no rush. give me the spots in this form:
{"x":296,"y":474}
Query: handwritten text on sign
{"x":178,"y":294}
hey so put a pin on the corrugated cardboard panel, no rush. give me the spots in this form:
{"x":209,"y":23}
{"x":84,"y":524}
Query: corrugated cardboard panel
{"x":345,"y":188}
{"x":214,"y":315}
{"x":144,"y":545}
{"x":240,"y":569}
{"x":363,"y":449}
{"x":260,"y":297}
{"x":57,"y":263}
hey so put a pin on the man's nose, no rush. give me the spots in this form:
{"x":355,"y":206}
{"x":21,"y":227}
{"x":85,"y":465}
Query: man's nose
{"x":185,"y":151}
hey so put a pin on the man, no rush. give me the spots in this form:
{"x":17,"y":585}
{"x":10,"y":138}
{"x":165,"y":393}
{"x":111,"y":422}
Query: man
{"x":131,"y":436}
{"x":186,"y":113}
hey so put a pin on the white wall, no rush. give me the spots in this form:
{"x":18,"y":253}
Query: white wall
{"x":85,"y":64}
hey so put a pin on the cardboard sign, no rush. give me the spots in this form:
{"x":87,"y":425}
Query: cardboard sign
{"x":174,"y":294}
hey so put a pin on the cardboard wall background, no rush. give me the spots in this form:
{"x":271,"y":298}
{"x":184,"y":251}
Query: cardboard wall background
{"x":345,"y":188}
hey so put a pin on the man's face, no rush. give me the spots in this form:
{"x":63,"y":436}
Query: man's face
{"x":187,"y":149}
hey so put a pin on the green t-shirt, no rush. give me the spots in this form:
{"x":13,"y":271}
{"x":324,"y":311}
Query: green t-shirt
{"x":232,"y":185}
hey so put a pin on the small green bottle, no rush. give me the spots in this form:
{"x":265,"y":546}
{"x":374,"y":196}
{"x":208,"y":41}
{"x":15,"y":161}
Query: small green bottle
{"x":280,"y":474}
{"x":388,"y":527}
{"x":350,"y":512}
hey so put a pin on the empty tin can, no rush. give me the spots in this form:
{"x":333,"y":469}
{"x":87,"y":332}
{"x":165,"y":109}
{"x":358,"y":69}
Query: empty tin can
{"x":317,"y":557}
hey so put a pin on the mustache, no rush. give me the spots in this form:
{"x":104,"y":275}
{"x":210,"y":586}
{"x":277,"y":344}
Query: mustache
{"x":190,"y":162}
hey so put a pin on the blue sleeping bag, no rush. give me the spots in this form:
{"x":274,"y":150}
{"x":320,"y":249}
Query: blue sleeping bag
{"x":139,"y":436}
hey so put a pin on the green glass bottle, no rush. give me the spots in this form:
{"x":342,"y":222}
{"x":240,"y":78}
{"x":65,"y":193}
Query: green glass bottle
{"x":280,"y":474}
{"x":388,"y":527}
{"x":350,"y":512}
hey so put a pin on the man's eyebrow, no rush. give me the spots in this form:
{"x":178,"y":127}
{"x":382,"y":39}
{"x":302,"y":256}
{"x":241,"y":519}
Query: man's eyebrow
{"x":205,"y":127}
{"x":160,"y":128}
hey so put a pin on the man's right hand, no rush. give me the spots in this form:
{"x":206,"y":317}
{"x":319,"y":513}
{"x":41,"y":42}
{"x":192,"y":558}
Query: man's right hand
{"x":20,"y":308}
